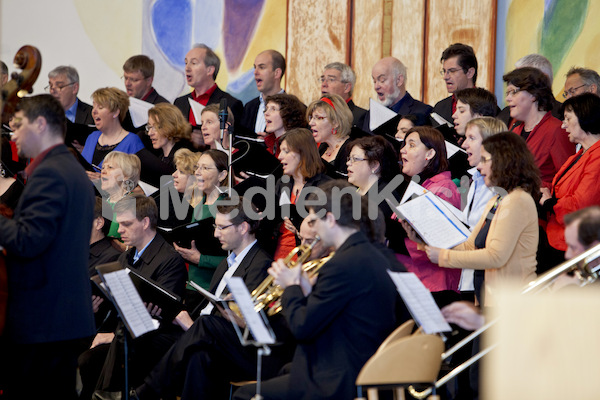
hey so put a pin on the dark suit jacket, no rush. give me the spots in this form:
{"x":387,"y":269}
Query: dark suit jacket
{"x":358,"y":114}
{"x":155,"y":98}
{"x":161,"y":263}
{"x":237,"y":108}
{"x":341,"y":323}
{"x":248,"y":121}
{"x":252,"y":269}
{"x":48,"y":243}
{"x":444,"y":109}
{"x":409,"y":106}
{"x":102,"y":252}
{"x":83,"y":115}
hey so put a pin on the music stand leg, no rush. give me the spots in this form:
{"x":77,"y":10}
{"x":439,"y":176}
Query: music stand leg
{"x":260,"y":351}
{"x":126,"y":353}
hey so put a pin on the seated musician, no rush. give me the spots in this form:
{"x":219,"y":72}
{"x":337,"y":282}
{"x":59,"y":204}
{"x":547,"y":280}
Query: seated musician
{"x":340,"y":321}
{"x":151,"y":256}
{"x":203,"y":361}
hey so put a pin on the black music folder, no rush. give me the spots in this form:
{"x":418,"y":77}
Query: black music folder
{"x":252,"y":157}
{"x":201,"y":231}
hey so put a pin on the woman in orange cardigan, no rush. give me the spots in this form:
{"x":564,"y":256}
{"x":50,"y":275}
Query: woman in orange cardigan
{"x":505,"y":240}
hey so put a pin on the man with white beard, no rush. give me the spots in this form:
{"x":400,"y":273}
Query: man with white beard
{"x":389,"y":82}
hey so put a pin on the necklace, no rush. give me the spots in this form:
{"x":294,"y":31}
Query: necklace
{"x":331,"y":150}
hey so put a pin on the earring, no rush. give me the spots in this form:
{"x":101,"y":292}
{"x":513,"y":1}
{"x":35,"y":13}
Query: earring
{"x":333,"y":131}
{"x":2,"y":171}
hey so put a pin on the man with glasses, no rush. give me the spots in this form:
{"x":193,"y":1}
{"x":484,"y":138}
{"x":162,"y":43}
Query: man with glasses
{"x":63,"y":84}
{"x":581,"y":80}
{"x":138,"y":75}
{"x":389,"y":82}
{"x":338,"y":78}
{"x":209,"y":355}
{"x":459,"y":70}
{"x":269,"y":67}
{"x":341,"y":320}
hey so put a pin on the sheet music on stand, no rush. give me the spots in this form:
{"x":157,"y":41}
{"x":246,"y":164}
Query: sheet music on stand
{"x":136,"y":317}
{"x":256,"y":322}
{"x":420,"y":302}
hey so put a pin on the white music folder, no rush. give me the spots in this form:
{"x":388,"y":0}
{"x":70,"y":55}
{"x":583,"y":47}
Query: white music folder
{"x":435,"y":222}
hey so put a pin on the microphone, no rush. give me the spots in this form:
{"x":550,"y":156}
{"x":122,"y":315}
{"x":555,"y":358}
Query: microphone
{"x":223,"y":116}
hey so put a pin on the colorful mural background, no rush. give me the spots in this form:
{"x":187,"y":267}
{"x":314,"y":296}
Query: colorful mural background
{"x":564,"y":31}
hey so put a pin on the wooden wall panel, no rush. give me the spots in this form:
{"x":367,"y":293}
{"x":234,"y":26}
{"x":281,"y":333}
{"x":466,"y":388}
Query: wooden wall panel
{"x":317,"y":35}
{"x":408,"y":32}
{"x":367,"y":35}
{"x":471,"y":22}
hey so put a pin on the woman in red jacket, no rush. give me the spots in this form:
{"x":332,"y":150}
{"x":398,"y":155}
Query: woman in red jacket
{"x":575,"y":185}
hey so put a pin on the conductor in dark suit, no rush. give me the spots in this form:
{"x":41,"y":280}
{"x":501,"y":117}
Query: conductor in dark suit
{"x":340,"y":321}
{"x":389,"y":82}
{"x":201,"y":69}
{"x":209,"y":354}
{"x":47,"y":242}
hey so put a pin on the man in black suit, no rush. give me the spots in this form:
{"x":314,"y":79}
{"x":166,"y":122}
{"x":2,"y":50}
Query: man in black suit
{"x":209,"y":354}
{"x":269,"y":67}
{"x":138,"y":75}
{"x":459,"y":70}
{"x":201,"y":69}
{"x":152,"y":257}
{"x":338,"y":78}
{"x":389,"y":82}
{"x":47,"y":242}
{"x":340,"y":321}
{"x":63,"y":84}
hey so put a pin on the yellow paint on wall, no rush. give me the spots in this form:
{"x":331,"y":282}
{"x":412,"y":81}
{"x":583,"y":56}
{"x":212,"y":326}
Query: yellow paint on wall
{"x":584,"y":52}
{"x":112,"y":28}
{"x":523,"y":31}
{"x":271,"y":32}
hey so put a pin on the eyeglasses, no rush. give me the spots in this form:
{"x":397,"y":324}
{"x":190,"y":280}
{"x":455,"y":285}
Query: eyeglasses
{"x":127,"y":79}
{"x":316,"y":118}
{"x":58,"y":88}
{"x":512,"y":92}
{"x":572,"y":91}
{"x":204,"y":168}
{"x":220,"y":228}
{"x":150,"y":127}
{"x":485,"y":160}
{"x":353,"y":159}
{"x":329,"y":79}
{"x":449,"y":71}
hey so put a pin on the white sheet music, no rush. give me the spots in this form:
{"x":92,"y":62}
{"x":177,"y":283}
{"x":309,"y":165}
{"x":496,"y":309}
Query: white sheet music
{"x":434,"y":221}
{"x":138,"y":109}
{"x":440,"y":120}
{"x":452,"y":149}
{"x":147,"y":188}
{"x":420,"y":302}
{"x":254,"y":322}
{"x":412,"y":188}
{"x":379,"y":114}
{"x":130,"y":303}
{"x":196,"y":109}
